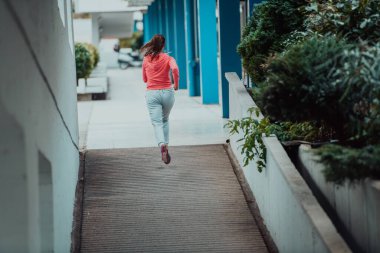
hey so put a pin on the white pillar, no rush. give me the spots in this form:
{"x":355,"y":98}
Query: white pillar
{"x":95,"y":29}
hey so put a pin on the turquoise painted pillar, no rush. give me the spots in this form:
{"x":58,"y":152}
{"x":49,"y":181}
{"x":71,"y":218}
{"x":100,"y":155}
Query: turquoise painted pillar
{"x":229,"y":38}
{"x":160,"y":17}
{"x":153,"y":19}
{"x":180,"y":41}
{"x":208,"y":51}
{"x":170,"y":27}
{"x":191,"y":40}
{"x":157,"y":19}
{"x":167,"y":24}
{"x":146,"y":20}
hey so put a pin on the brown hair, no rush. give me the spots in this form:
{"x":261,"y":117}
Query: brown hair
{"x":154,"y":46}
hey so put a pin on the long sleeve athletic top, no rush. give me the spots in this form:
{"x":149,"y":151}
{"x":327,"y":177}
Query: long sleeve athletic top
{"x":156,"y":72}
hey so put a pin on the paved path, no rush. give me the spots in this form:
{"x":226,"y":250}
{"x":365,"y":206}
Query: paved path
{"x":123,"y":121}
{"x":134,"y":203}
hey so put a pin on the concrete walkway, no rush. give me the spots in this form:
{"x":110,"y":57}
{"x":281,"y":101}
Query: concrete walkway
{"x":122,"y":121}
{"x":135,"y":203}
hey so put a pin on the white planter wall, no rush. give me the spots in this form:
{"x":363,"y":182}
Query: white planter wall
{"x":39,"y":159}
{"x":357,"y":205}
{"x":295,"y":220}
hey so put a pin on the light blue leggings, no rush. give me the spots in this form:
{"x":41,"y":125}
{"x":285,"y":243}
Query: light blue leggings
{"x":160,"y":103}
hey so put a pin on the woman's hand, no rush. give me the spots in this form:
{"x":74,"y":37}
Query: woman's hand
{"x":175,"y":87}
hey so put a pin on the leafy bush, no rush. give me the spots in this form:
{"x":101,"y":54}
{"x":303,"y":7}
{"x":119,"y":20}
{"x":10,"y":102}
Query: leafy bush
{"x":300,"y":84}
{"x":254,"y":128}
{"x":138,"y":41}
{"x":349,"y":163}
{"x":351,"y":19}
{"x":330,"y":82}
{"x":83,"y":61}
{"x":135,"y":42}
{"x":94,"y":54}
{"x":269,"y":26}
{"x":318,"y":68}
{"x":359,"y":76}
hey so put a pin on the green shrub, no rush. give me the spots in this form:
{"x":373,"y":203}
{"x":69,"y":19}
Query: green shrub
{"x":351,"y":19}
{"x":83,"y":61}
{"x":94,"y":54}
{"x":271,"y":23}
{"x":318,"y":69}
{"x":135,"y":41}
{"x":138,"y":41}
{"x":349,"y":163}
{"x":254,"y":129}
{"x":359,"y":75}
{"x":330,"y":82}
{"x":300,"y":84}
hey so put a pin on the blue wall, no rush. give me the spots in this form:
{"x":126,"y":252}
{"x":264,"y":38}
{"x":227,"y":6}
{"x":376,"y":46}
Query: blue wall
{"x":191,"y":40}
{"x":208,"y":51}
{"x":190,"y":28}
{"x":180,"y":40}
{"x":229,"y":38}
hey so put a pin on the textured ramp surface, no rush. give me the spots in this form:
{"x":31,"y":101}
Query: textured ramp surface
{"x":135,"y":203}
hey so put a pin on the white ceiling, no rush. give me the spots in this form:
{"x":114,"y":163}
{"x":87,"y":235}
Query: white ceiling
{"x":139,"y":2}
{"x":116,"y":25}
{"x":91,"y":6}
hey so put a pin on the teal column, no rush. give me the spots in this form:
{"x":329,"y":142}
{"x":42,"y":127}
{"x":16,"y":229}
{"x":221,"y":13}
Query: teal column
{"x":229,"y":38}
{"x":180,"y":40}
{"x":160,"y":17}
{"x":208,"y":51}
{"x":167,"y":25}
{"x":191,"y":40}
{"x":154,"y":19}
{"x":146,"y":20}
{"x":170,"y":27}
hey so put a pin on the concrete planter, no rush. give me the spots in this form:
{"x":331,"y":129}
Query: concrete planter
{"x":292,"y":215}
{"x":100,"y":70}
{"x":96,"y":88}
{"x":97,"y":83}
{"x":355,"y":206}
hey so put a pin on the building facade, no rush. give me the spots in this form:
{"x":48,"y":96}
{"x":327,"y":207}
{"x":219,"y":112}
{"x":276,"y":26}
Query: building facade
{"x":38,"y":127}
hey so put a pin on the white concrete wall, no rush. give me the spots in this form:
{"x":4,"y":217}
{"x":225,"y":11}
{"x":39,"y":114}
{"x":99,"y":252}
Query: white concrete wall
{"x":87,"y":30}
{"x":95,"y":29}
{"x":38,"y":119}
{"x":107,"y":54}
{"x":357,"y":205}
{"x":83,"y":30}
{"x":292,"y":215}
{"x":104,"y":6}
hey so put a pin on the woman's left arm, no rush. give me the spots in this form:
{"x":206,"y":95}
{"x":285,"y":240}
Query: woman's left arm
{"x":175,"y":71}
{"x":145,"y":78}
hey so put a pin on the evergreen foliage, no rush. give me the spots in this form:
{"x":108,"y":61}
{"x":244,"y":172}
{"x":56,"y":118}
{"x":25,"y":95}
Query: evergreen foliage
{"x":254,"y":128}
{"x":317,"y":63}
{"x":83,"y":61}
{"x":271,"y":23}
{"x":300,"y":84}
{"x":352,"y":19}
{"x":343,"y":163}
{"x":94,"y":54}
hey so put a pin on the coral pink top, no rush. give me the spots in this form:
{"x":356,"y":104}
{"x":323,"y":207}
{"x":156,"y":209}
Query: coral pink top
{"x":156,"y":72}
